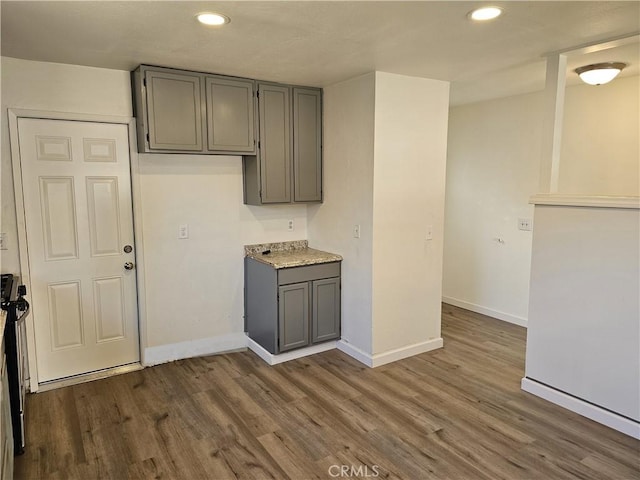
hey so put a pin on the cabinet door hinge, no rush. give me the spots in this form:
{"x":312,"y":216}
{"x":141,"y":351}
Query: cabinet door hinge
{"x":257,"y":93}
{"x":258,"y":144}
{"x":148,"y":138}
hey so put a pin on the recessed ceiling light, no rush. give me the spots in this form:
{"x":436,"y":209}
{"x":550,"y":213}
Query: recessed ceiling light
{"x":485,"y":13}
{"x":214,"y":19}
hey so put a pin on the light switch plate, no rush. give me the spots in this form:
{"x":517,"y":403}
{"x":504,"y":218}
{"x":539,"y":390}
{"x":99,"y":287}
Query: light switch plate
{"x":183,"y":231}
{"x":356,"y":231}
{"x":3,"y":241}
{"x":429,"y":232}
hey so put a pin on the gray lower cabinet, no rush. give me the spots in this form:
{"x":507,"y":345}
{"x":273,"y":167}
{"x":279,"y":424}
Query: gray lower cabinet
{"x":291,"y":308}
{"x":293,"y":316}
{"x":325,"y":314}
{"x":178,"y":111}
{"x":288,"y":165}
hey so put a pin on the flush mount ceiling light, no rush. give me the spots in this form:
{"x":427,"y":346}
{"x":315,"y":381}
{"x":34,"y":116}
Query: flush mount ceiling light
{"x":600,"y":73}
{"x":485,"y":13}
{"x":212,"y":19}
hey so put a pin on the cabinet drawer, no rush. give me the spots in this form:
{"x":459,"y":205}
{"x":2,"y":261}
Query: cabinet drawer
{"x":308,"y":273}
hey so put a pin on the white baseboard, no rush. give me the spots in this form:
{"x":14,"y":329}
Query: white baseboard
{"x":272,"y":359}
{"x":507,"y":317}
{"x":595,"y":413}
{"x":355,"y":352}
{"x":389,"y":356}
{"x":194,"y":348}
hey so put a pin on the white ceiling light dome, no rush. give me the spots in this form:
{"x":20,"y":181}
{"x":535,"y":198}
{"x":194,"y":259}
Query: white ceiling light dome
{"x":212,"y":18}
{"x":485,"y":13}
{"x":600,"y":73}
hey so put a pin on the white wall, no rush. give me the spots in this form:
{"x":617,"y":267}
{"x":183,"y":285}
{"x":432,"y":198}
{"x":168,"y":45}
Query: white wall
{"x":194,"y":287}
{"x":408,"y":195}
{"x":348,"y":200}
{"x":584,"y":325}
{"x":493,"y":168}
{"x":384,"y":162}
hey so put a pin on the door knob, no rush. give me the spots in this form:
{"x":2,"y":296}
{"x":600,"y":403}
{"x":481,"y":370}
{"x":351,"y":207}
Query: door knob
{"x":128,"y":266}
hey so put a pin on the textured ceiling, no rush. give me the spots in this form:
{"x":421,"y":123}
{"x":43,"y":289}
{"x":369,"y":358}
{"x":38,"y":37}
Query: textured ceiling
{"x":320,"y":43}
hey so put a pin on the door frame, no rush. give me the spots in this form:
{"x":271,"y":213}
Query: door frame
{"x":25,"y":272}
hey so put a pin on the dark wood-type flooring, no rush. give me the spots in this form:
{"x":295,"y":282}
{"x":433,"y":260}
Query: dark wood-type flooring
{"x":455,"y":413}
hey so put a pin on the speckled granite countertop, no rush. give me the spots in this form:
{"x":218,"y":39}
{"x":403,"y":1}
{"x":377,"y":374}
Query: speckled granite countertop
{"x":289,"y":254}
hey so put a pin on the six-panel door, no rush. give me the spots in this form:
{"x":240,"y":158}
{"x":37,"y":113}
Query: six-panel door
{"x":77,"y":195}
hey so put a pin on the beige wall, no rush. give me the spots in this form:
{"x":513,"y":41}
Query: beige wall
{"x":601,"y":139}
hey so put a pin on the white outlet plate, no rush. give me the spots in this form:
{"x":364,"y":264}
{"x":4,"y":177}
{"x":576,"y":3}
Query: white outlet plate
{"x":183,"y":231}
{"x":524,"y":224}
{"x":291,"y":226}
{"x":356,"y":231}
{"x":3,"y":241}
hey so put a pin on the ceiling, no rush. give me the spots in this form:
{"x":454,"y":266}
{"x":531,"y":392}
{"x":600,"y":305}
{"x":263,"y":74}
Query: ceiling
{"x":320,"y":43}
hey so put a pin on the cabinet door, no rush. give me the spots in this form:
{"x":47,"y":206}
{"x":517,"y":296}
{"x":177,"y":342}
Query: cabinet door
{"x":174,"y":110}
{"x":230,"y":122}
{"x":307,"y":145}
{"x":275,"y":146}
{"x":293,"y":316}
{"x":325,"y":310}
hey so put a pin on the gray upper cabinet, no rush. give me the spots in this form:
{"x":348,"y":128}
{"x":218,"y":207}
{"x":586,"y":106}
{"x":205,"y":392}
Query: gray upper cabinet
{"x":276,"y":128}
{"x":179,"y":111}
{"x":288,"y":165}
{"x":307,"y":145}
{"x":275,"y":146}
{"x":174,"y":110}
{"x":230,"y":115}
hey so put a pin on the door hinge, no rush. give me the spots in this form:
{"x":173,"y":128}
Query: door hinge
{"x":148,"y":138}
{"x":144,"y":82}
{"x":258,"y":144}
{"x":258,"y":94}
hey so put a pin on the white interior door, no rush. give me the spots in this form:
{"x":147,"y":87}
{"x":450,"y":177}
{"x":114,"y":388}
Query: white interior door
{"x":79,"y":222}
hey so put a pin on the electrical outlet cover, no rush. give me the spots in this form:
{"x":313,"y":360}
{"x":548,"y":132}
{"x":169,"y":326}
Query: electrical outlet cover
{"x":524,"y":224}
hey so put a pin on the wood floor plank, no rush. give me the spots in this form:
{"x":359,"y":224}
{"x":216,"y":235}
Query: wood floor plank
{"x":453,"y":413}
